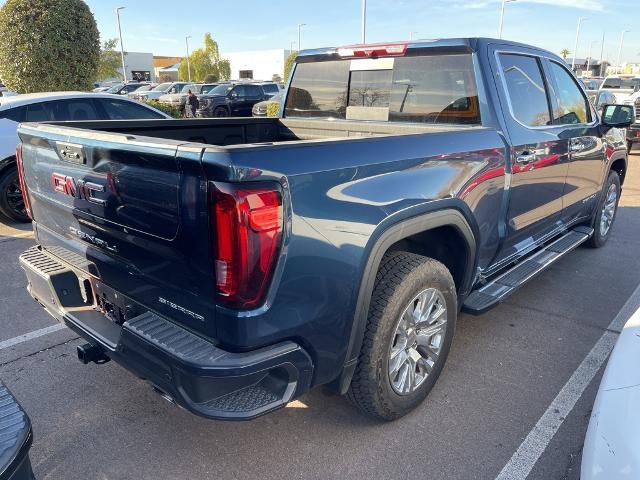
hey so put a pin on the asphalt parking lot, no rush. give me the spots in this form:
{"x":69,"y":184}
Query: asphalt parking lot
{"x":505,"y":369}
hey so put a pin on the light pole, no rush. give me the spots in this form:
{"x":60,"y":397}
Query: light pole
{"x":601,"y":55}
{"x":291,"y":45}
{"x":504,"y":2}
{"x":186,"y":40}
{"x":124,"y":69}
{"x":620,"y":50}
{"x":411,"y":35}
{"x":575,"y":46}
{"x":363,"y":36}
{"x":589,"y":56}
{"x":300,"y":25}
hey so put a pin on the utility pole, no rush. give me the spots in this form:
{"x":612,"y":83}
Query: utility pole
{"x":589,"y":56}
{"x":363,"y":37}
{"x":186,"y":40}
{"x":575,"y":47}
{"x":124,"y":68}
{"x":411,"y":35}
{"x":293,"y":42}
{"x":601,"y":55}
{"x":504,"y":2}
{"x":619,"y":64}
{"x":300,"y":25}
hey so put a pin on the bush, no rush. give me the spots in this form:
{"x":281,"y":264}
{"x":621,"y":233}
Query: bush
{"x":273,"y":109}
{"x":48,"y":45}
{"x":168,"y":109}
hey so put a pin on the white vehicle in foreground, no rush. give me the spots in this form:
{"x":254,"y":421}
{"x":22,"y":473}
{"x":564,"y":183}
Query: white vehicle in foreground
{"x":612,"y":445}
{"x":46,"y":107}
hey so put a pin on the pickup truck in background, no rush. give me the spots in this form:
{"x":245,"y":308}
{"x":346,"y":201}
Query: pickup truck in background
{"x":236,"y":263}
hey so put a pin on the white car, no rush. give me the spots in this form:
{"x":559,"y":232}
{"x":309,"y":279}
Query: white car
{"x":612,"y":445}
{"x":158,"y":91}
{"x":622,"y":86}
{"x":46,"y":107}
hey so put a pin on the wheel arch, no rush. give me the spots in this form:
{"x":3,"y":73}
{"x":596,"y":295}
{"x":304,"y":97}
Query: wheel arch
{"x":453,"y":220}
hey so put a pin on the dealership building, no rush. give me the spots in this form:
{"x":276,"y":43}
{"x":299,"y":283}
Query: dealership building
{"x":257,"y":64}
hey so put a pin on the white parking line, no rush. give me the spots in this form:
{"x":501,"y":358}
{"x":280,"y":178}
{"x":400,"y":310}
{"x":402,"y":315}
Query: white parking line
{"x":30,"y":336}
{"x":536,"y":442}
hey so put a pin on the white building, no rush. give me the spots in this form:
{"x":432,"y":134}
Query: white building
{"x":257,"y":64}
{"x":139,"y":67}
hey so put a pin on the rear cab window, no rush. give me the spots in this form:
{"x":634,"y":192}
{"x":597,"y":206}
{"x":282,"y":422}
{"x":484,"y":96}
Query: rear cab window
{"x":434,"y":89}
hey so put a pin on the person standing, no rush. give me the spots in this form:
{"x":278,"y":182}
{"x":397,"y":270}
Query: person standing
{"x":192,"y":104}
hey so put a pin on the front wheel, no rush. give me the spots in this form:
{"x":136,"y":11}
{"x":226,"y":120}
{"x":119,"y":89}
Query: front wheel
{"x":606,"y":210}
{"x":11,"y":201}
{"x":409,"y":331}
{"x":220,"y":112}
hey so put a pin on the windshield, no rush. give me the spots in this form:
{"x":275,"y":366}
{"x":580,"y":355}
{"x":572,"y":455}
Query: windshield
{"x":625,"y":83}
{"x":189,"y":86}
{"x":115,"y":88}
{"x":144,"y":88}
{"x":221,"y":89}
{"x":163,"y":87}
{"x":425,"y":89}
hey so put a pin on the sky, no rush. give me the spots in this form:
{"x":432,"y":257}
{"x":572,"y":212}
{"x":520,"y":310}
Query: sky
{"x":160,"y":26}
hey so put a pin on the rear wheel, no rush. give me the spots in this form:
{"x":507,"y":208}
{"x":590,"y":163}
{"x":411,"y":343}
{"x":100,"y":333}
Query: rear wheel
{"x":606,"y":210}
{"x":409,"y":331}
{"x":11,"y":201}
{"x":220,"y":112}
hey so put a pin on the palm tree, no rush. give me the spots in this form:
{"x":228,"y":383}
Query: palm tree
{"x":564,"y":52}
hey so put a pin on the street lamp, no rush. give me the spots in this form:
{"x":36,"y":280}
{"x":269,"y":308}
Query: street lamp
{"x":575,"y":47}
{"x":291,"y":45}
{"x":363,"y":36}
{"x":124,"y":69}
{"x":300,"y":25}
{"x":504,"y":2}
{"x":620,"y":50}
{"x":593,"y":42}
{"x":411,"y":35}
{"x":186,"y":40}
{"x":601,"y":55}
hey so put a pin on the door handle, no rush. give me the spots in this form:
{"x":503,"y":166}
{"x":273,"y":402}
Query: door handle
{"x":525,"y":157}
{"x":576,"y":147}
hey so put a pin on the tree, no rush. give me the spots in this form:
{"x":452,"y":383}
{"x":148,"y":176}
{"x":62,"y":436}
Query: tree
{"x":288,"y":64}
{"x":564,"y":52}
{"x":110,"y":61}
{"x":205,"y":61}
{"x":211,"y":78}
{"x":48,"y":45}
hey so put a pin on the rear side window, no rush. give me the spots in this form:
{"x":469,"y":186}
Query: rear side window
{"x":270,"y":88}
{"x":75,"y":110}
{"x":424,"y":89}
{"x":38,"y":112}
{"x":571,"y":104}
{"x":253,"y":91}
{"x":526,"y":89}
{"x":123,"y":110}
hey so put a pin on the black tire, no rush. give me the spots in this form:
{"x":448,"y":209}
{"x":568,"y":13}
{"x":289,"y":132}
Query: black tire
{"x":220,"y":112}
{"x":11,"y":203}
{"x":600,"y":237}
{"x":401,"y":277}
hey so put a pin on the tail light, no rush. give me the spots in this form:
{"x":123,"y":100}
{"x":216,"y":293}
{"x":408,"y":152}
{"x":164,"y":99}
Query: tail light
{"x":247,"y":224}
{"x":374,"y":50}
{"x":23,"y":186}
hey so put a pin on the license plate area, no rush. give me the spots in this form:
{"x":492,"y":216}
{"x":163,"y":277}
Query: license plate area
{"x":112,"y":304}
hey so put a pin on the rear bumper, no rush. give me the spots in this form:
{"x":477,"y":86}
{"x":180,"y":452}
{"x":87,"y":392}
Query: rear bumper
{"x":633,"y":133}
{"x":15,"y":439}
{"x":185,"y":368}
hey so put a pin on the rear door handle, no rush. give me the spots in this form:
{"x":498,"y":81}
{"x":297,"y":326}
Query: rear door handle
{"x":525,"y":157}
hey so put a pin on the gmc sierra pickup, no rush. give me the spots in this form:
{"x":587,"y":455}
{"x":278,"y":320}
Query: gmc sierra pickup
{"x":237,"y":263}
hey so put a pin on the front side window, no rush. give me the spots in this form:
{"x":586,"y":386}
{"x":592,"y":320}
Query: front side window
{"x":526,"y":89}
{"x":571,"y":106}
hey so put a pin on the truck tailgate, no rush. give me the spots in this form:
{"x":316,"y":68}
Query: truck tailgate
{"x":128,"y":212}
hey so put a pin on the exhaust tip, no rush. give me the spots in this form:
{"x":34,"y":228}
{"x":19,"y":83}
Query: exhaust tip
{"x":90,"y":352}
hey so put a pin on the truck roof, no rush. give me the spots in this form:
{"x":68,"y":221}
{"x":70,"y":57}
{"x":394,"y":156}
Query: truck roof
{"x":460,"y":45}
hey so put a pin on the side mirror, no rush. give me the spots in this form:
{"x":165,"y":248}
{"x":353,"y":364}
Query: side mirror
{"x":233,"y":94}
{"x":617,"y":116}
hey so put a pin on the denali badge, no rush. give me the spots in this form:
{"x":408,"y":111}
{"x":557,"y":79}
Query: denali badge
{"x":93,"y":239}
{"x":175,"y":306}
{"x":77,"y":188}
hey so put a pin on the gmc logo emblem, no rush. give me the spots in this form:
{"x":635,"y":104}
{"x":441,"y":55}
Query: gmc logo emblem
{"x":77,"y":188}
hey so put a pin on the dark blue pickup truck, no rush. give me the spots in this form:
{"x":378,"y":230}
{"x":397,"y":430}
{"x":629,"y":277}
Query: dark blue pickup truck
{"x":237,"y":263}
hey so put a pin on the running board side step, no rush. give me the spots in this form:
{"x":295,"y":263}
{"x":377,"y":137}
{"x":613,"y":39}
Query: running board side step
{"x":491,"y":294}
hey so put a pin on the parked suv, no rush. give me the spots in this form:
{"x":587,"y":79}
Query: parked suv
{"x":43,"y":107}
{"x":230,"y":100}
{"x":178,"y":99}
{"x":270,"y":89}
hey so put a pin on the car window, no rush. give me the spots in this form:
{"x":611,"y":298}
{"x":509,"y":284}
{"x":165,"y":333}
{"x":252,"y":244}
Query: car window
{"x":16,"y":114}
{"x":38,"y":112}
{"x":207,"y":88}
{"x":74,"y":109}
{"x":253,"y":91}
{"x":123,"y":110}
{"x":240,"y":90}
{"x":526,"y":89}
{"x":571,"y":106}
{"x":270,"y":88}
